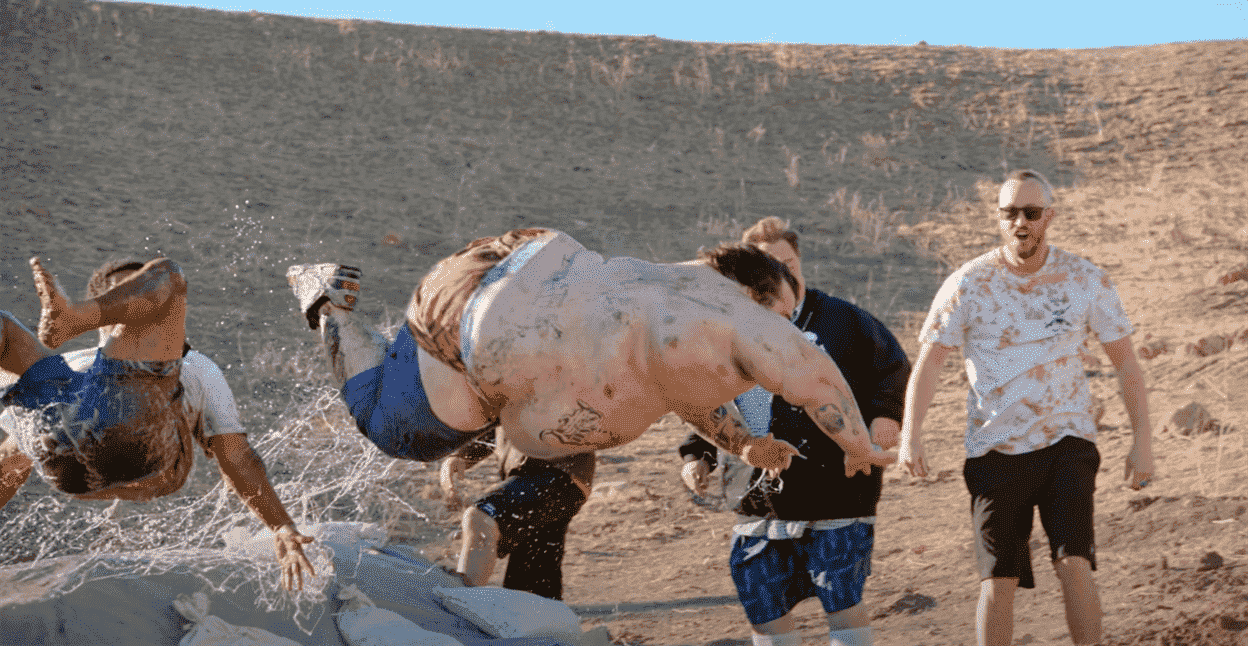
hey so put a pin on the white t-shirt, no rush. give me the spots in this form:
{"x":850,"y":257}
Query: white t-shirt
{"x":207,"y":400}
{"x":1021,"y":337}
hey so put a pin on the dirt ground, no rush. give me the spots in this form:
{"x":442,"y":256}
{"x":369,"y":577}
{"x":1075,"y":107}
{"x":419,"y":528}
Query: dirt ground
{"x":239,"y":143}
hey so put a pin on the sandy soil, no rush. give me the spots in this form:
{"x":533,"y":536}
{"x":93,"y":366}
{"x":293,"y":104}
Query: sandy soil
{"x":239,"y":143}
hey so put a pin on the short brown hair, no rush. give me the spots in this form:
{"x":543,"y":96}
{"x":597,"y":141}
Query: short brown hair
{"x":101,"y":279}
{"x":771,"y":229}
{"x":756,"y":269}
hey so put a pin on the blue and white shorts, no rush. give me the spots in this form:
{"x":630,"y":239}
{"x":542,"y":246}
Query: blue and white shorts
{"x":118,"y":423}
{"x":773,"y":576}
{"x":392,"y":410}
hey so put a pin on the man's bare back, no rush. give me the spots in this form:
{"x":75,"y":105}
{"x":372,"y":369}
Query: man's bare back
{"x":588,"y":353}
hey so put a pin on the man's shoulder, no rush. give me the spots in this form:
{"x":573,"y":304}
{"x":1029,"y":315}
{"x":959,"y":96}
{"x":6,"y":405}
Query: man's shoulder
{"x":835,"y":309}
{"x":826,"y":301}
{"x":197,"y":362}
{"x":983,"y":264}
{"x":1066,"y":259}
{"x":197,"y":367}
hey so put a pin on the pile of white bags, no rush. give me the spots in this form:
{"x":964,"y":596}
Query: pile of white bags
{"x":362,"y":623}
{"x":210,"y":630}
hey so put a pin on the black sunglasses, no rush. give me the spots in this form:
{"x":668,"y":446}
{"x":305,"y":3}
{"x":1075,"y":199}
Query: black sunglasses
{"x":1032,"y":213}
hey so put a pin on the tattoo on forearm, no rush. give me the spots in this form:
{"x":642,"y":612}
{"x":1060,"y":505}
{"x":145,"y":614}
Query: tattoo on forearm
{"x":726,"y":430}
{"x":581,"y":427}
{"x":832,"y":420}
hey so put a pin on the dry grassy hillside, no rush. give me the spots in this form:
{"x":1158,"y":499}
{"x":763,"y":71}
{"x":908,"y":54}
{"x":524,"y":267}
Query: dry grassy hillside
{"x":240,"y":143}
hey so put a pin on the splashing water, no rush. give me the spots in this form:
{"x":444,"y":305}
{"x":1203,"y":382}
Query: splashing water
{"x":321,"y":467}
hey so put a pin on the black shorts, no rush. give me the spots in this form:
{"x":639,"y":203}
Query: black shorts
{"x":533,"y":508}
{"x":1059,"y":479}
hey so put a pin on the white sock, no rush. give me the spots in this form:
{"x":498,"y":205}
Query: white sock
{"x":851,"y":636}
{"x":786,"y":639}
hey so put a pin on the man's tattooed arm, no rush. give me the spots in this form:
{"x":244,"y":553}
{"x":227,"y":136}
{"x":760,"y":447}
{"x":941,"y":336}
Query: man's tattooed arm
{"x":844,"y":425}
{"x":724,"y":427}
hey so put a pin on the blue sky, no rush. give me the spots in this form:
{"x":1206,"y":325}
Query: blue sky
{"x":1014,"y":24}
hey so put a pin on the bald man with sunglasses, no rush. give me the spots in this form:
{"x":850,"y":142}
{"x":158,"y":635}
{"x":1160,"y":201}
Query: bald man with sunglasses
{"x":1020,"y":313}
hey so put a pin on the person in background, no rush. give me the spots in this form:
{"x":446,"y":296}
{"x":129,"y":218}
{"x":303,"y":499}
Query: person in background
{"x":810,"y":533}
{"x":1020,"y":313}
{"x":526,"y":516}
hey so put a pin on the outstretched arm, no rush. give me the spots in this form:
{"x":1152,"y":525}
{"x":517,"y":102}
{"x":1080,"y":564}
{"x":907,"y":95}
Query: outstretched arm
{"x":724,"y":427}
{"x":1139,"y":468}
{"x":919,"y":393}
{"x":781,"y":360}
{"x":243,"y":469}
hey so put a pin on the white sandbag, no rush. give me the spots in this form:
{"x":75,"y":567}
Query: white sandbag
{"x":258,"y":546}
{"x":512,"y":613}
{"x":210,"y":630}
{"x":362,"y":623}
{"x":360,"y":535}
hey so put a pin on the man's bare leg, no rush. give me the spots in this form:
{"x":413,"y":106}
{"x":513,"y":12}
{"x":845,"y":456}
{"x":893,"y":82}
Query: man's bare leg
{"x":1083,"y":603}
{"x":479,"y":552}
{"x":150,"y":304}
{"x":14,"y":469}
{"x":19,"y":349}
{"x":994,"y":619}
{"x":350,"y":347}
{"x":327,"y":295}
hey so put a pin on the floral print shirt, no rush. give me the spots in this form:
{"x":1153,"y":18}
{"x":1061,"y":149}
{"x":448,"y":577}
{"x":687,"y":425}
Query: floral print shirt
{"x":1021,"y":337}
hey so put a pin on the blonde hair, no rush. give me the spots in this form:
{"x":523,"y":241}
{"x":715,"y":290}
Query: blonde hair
{"x":771,"y":229}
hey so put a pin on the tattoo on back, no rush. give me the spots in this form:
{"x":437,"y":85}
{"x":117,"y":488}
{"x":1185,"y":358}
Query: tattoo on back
{"x":581,"y":427}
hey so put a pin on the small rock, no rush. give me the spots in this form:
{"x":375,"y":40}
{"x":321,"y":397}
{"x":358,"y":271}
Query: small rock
{"x":37,"y":210}
{"x":393,"y":239}
{"x":1192,"y":418}
{"x":1210,"y":561}
{"x":1232,"y":624}
{"x":1153,"y":349}
{"x":911,"y":603}
{"x":1222,"y":276}
{"x":1211,"y":345}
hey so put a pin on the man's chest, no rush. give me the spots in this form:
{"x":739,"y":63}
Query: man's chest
{"x":1013,"y":313}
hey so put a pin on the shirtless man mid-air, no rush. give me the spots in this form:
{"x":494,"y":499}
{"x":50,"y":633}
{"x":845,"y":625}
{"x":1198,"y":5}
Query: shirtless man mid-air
{"x":573,"y":353}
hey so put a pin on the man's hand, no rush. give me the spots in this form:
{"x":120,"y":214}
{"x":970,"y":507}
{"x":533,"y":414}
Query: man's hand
{"x":768,"y":453}
{"x":696,"y":474}
{"x":911,"y":456}
{"x":288,"y":543}
{"x":1140,"y":469}
{"x":452,"y":470}
{"x":862,"y":463}
{"x":885,"y":432}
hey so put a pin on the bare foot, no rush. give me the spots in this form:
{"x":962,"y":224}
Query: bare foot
{"x":55,"y":310}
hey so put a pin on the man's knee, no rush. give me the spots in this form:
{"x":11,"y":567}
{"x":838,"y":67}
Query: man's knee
{"x":853,"y":617}
{"x":1072,"y":567}
{"x":479,"y":528}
